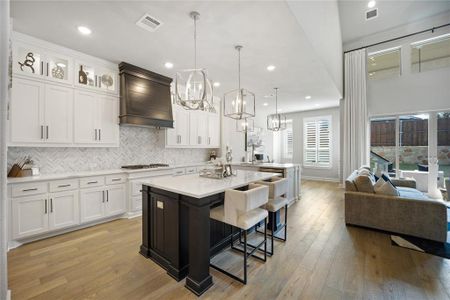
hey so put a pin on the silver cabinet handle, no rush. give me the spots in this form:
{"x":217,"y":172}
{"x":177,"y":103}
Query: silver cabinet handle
{"x":30,"y":190}
{"x":107,"y":195}
{"x":116,"y":179}
{"x":42,"y":67}
{"x":209,"y":141}
{"x":92,"y":182}
{"x":42,"y":132}
{"x":95,"y":134}
{"x":96,"y":80}
{"x":51,"y":205}
{"x":45,"y":208}
{"x":46,"y":132}
{"x":103,"y":196}
{"x":47,"y":69}
{"x":99,"y":134}
{"x":64,"y":185}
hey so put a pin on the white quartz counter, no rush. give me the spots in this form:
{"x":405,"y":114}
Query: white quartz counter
{"x":267,"y":165}
{"x":199,"y":187}
{"x":46,"y":177}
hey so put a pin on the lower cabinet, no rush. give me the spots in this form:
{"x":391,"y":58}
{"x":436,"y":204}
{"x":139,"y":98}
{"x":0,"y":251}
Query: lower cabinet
{"x":30,"y":216}
{"x":64,"y":210}
{"x":101,"y":202}
{"x":45,"y":212}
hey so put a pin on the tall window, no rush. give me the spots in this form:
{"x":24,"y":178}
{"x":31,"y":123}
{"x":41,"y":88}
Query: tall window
{"x":384,"y":64}
{"x":430,"y":54}
{"x":317,"y":142}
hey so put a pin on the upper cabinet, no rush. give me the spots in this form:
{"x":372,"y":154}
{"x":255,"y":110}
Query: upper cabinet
{"x":96,"y":77}
{"x":61,"y":97}
{"x":37,"y":62}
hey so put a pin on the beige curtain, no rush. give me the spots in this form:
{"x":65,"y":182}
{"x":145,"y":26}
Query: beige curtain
{"x":355,"y":139}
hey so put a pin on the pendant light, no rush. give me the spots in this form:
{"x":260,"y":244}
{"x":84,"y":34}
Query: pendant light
{"x":239,"y":104}
{"x":193,"y":90}
{"x":245,"y":125}
{"x":276,"y":122}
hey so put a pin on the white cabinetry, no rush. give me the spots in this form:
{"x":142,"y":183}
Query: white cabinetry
{"x":213,"y":140}
{"x":64,"y":209}
{"x":95,"y":119}
{"x":51,"y":107}
{"x":100,"y":202}
{"x":40,"y":113}
{"x":30,"y":216}
{"x":179,"y":135}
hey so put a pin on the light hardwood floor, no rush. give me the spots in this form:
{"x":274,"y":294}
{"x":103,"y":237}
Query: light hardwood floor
{"x":323,"y":259}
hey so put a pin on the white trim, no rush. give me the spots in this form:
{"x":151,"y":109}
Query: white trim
{"x":428,"y":41}
{"x":384,"y":51}
{"x":330,"y":147}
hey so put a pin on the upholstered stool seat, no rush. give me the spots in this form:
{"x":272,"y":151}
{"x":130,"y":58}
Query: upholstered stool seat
{"x":278,"y":188}
{"x":242,"y":209}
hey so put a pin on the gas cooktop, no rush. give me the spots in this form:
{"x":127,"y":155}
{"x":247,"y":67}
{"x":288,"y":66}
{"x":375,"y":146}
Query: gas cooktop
{"x":150,"y":166}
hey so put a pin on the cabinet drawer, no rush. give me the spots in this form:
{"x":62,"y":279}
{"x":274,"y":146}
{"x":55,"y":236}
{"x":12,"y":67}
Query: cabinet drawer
{"x":26,"y":189}
{"x":92,"y":181}
{"x":179,"y":171}
{"x":136,"y":203}
{"x":63,"y":185}
{"x":115,"y":179}
{"x":191,"y":170}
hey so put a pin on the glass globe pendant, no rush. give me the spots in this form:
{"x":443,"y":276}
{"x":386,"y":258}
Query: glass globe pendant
{"x":193,"y":89}
{"x":276,"y":121}
{"x":239,"y":104}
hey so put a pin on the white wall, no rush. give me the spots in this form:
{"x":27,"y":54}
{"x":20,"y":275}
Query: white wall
{"x":4,"y":82}
{"x":320,"y":22}
{"x":297,"y":126}
{"x":410,"y":92}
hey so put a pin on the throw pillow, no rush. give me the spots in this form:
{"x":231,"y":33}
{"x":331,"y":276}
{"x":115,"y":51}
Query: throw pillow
{"x":363,"y":172}
{"x":364,"y":184}
{"x":378,"y":184}
{"x":387,"y":179}
{"x":387,"y":189}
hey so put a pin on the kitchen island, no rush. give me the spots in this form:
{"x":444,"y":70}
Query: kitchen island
{"x":177,"y":232}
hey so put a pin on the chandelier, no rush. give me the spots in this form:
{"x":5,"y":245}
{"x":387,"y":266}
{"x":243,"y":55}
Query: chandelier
{"x":245,"y":125}
{"x":239,"y":104}
{"x":193,"y":89}
{"x":276,"y":121}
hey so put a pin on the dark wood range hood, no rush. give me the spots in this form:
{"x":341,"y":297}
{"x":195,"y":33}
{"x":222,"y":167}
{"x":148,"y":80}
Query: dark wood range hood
{"x":144,"y":97}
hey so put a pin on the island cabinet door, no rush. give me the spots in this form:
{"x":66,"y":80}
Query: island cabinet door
{"x":164,"y":227}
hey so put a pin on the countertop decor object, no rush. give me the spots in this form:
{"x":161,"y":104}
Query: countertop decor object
{"x":193,"y":89}
{"x":276,"y":121}
{"x":239,"y":104}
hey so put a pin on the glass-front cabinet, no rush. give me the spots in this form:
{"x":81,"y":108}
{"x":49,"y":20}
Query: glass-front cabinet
{"x":33,"y":61}
{"x":95,"y":77}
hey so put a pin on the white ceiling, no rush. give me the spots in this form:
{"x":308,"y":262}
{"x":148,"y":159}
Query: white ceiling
{"x":391,"y":14}
{"x":268,"y":31}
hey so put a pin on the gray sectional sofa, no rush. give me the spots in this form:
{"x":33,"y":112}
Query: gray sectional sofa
{"x":411,"y":213}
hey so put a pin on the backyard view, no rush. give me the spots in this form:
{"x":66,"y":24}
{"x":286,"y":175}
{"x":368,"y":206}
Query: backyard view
{"x":413,"y":142}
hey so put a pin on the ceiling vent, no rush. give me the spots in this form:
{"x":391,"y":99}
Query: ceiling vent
{"x":149,"y":23}
{"x":371,"y":14}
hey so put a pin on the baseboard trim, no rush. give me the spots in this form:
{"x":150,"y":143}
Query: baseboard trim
{"x":132,"y":215}
{"x":320,"y":178}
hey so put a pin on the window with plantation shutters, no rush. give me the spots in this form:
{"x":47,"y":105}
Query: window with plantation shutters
{"x":317,"y":142}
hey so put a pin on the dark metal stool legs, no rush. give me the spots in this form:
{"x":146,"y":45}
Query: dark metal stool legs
{"x":272,"y":234}
{"x":246,"y":253}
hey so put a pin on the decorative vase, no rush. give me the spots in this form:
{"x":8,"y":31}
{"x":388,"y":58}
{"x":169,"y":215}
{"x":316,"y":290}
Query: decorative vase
{"x":82,"y":76}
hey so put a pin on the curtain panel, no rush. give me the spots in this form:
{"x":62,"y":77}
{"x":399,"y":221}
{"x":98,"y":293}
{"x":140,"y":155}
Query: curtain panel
{"x":356,"y":134}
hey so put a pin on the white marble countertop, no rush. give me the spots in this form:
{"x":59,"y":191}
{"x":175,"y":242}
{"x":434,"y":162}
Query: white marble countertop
{"x":199,"y":187}
{"x":267,"y":165}
{"x":69,"y":175}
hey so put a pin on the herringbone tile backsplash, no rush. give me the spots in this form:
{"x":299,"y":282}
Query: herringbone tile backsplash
{"x":138,"y":145}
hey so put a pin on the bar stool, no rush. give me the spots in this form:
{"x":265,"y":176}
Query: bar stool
{"x":242,"y":209}
{"x":278,"y":188}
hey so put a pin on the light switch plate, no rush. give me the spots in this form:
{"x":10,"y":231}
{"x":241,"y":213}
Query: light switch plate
{"x":160,"y":204}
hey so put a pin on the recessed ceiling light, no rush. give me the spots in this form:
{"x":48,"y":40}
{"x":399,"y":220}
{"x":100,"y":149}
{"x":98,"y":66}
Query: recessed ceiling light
{"x":216,"y":84}
{"x":84,"y":30}
{"x":371,"y":4}
{"x":265,"y":103}
{"x":270,"y":68}
{"x":168,"y":65}
{"x":308,"y":97}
